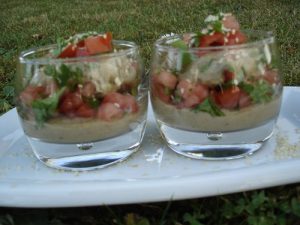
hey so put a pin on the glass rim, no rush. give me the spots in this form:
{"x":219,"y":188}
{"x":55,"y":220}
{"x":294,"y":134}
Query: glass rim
{"x":23,"y":56}
{"x":267,"y":37}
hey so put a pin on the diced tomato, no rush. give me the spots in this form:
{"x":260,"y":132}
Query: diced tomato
{"x":161,"y":92}
{"x":201,"y":91}
{"x":271,"y":76}
{"x":235,"y":38}
{"x":88,"y":89}
{"x":109,"y":111}
{"x":108,"y":40}
{"x":228,"y":98}
{"x":228,"y":75}
{"x":216,"y":39}
{"x":70,"y":103}
{"x":85,"y":111}
{"x":98,"y":44}
{"x":245,"y":99}
{"x":189,"y":102}
{"x":230,"y":22}
{"x":129,"y":104}
{"x":81,"y":52}
{"x":125,"y":102}
{"x":191,"y":94}
{"x":80,"y":44}
{"x":113,"y":97}
{"x":167,"y":79}
{"x":184,"y":88}
{"x":31,"y":93}
{"x":68,"y":52}
{"x":90,"y":46}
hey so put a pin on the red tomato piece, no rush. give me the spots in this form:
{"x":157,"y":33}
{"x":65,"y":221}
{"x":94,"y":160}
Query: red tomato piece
{"x":88,"y":89}
{"x":68,"y":52}
{"x":80,"y":44}
{"x":109,"y":111}
{"x":216,"y":39}
{"x":113,"y":97}
{"x":185,"y":88}
{"x":235,"y":38}
{"x":228,"y":98}
{"x":191,"y":94}
{"x":228,"y":75}
{"x":108,"y":40}
{"x":129,"y":104}
{"x":245,"y":99}
{"x":125,"y":102}
{"x":31,"y":93}
{"x":230,"y":22}
{"x":70,"y":103}
{"x":189,"y":102}
{"x":85,"y":111}
{"x":160,"y":91}
{"x":81,"y":52}
{"x":98,"y":44}
{"x":166,"y":79}
{"x":201,"y":91}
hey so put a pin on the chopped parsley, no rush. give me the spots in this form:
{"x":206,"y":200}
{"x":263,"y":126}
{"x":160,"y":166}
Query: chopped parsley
{"x":208,"y":106}
{"x":43,"y":109}
{"x":91,"y":101}
{"x":65,"y":76}
{"x":214,"y":24}
{"x":186,"y":57}
{"x":260,"y":92}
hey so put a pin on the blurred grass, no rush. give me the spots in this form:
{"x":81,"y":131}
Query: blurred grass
{"x":30,"y":23}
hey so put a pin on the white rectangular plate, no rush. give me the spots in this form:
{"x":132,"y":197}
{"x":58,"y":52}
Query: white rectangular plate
{"x":155,"y":173}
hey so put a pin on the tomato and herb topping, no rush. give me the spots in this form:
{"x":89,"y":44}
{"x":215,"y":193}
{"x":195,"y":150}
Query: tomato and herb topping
{"x":212,"y":80}
{"x":66,"y":91}
{"x":85,"y":44}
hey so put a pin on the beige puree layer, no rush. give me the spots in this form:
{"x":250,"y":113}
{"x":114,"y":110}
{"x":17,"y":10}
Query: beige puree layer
{"x":248,"y":117}
{"x":80,"y":130}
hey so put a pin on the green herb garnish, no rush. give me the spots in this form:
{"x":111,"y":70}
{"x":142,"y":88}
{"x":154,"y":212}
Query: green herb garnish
{"x":43,"y":109}
{"x":186,"y":57}
{"x":196,"y":39}
{"x":91,"y":101}
{"x":61,"y":43}
{"x":208,"y":106}
{"x":176,"y":99}
{"x":65,"y":76}
{"x":260,"y":92}
{"x":218,"y":26}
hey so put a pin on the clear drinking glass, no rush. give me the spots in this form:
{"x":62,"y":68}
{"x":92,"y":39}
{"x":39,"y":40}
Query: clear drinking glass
{"x":82,"y":113}
{"x":216,"y":102}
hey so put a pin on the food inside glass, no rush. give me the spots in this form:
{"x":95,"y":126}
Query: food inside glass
{"x":216,"y":93}
{"x":88,"y":90}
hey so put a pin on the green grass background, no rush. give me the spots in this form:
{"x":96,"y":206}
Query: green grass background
{"x":30,"y":23}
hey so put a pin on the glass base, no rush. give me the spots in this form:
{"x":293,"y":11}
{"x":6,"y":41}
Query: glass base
{"x":216,"y":145}
{"x":88,"y":156}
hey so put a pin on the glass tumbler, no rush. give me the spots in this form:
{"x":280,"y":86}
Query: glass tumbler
{"x":216,"y":102}
{"x":82,"y":113}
